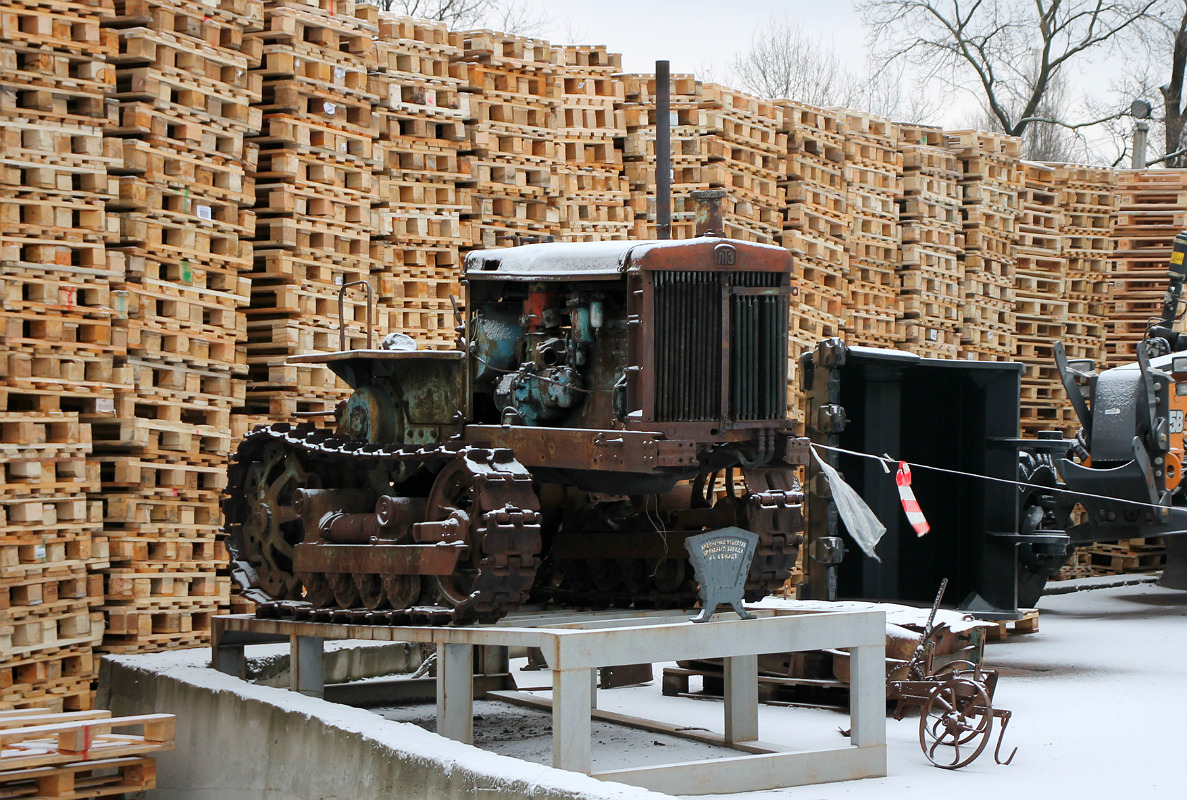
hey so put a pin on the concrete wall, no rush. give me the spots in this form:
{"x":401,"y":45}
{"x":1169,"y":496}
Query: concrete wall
{"x":239,"y":741}
{"x":341,"y":662}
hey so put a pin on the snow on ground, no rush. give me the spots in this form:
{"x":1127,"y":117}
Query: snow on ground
{"x":1099,"y":697}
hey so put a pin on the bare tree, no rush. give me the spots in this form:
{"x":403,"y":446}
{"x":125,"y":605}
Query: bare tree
{"x":1172,"y":94}
{"x":518,"y":17}
{"x":890,"y":91}
{"x":1170,"y":46}
{"x":785,"y":62}
{"x":456,"y":13}
{"x":1153,"y":72}
{"x":1009,"y":53}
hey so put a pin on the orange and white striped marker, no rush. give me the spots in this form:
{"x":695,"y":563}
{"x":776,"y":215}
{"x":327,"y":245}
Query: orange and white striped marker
{"x":910,"y":504}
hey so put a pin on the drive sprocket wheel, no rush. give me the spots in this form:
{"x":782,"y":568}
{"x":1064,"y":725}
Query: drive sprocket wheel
{"x":489,"y":497}
{"x":270,"y":527}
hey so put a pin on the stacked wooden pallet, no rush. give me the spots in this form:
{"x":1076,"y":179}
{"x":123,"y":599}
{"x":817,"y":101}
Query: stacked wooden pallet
{"x":50,"y":557}
{"x":873,"y":176}
{"x":313,"y":186}
{"x":930,"y":269}
{"x":816,"y":224}
{"x":1151,"y":209}
{"x":54,"y":273}
{"x":1040,"y":302}
{"x":1125,"y":556}
{"x":1078,"y":566}
{"x":184,"y":225}
{"x":510,"y":100}
{"x":1087,"y":200}
{"x":721,"y":139}
{"x":78,"y":755}
{"x":990,"y":182}
{"x":639,"y":155}
{"x":60,"y":352}
{"x":745,"y":148}
{"x":416,"y":210}
{"x":591,"y":189}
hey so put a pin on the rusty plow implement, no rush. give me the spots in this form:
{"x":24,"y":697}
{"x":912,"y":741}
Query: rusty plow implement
{"x":955,"y":704}
{"x":956,"y":714}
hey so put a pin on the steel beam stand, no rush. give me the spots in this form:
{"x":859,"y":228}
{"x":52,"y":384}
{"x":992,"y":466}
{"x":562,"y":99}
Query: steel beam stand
{"x":575,"y":645}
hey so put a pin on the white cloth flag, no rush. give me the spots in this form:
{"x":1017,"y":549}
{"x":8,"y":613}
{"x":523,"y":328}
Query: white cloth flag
{"x":860,"y":520}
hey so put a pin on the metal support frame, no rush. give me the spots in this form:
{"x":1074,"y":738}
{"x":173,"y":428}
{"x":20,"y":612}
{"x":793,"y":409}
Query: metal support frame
{"x":575,"y":645}
{"x":306,"y":660}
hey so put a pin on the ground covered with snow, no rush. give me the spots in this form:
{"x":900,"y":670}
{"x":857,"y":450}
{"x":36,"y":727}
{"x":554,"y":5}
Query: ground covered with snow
{"x":1099,"y":696}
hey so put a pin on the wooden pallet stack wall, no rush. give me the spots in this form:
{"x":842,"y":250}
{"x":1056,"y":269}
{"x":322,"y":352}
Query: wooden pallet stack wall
{"x":1150,"y":212}
{"x":591,"y":190}
{"x":51,"y":557}
{"x":638,"y":151}
{"x":1088,"y":202}
{"x":721,"y":139}
{"x":314,"y":186}
{"x":989,"y":183}
{"x":873,"y":175}
{"x":745,"y":143}
{"x":416,"y":209}
{"x":58,"y":303}
{"x":1040,"y":300}
{"x":61,"y":355}
{"x":930,"y":269}
{"x":510,"y":97}
{"x":815,"y":224}
{"x":183,"y":214}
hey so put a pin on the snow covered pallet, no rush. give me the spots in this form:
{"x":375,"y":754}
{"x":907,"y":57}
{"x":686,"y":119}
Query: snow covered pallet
{"x":1009,"y":627}
{"x":79,"y":754}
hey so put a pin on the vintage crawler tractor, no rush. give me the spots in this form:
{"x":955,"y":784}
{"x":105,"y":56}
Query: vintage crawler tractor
{"x":607,"y":401}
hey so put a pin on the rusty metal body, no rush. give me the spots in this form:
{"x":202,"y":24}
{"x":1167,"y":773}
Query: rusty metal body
{"x":601,"y":396}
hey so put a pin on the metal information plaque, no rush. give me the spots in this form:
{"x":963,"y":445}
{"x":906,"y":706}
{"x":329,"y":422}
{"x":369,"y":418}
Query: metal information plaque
{"x":721,"y":560}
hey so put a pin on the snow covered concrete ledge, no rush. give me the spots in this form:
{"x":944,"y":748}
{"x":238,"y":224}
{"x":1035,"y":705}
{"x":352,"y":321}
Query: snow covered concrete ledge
{"x":240,"y":741}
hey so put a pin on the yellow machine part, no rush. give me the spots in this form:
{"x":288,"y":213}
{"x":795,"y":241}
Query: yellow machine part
{"x":1178,"y":411}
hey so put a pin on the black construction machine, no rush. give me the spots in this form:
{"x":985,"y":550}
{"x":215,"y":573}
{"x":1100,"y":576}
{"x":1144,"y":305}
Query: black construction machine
{"x":606,"y":401}
{"x":1006,"y":513}
{"x":1123,"y":478}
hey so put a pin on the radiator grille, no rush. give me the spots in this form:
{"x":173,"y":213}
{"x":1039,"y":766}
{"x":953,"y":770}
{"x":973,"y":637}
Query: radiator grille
{"x":758,"y":350}
{"x":687,"y":346}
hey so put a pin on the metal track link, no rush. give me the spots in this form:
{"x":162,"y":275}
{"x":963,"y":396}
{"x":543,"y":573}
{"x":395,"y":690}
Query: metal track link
{"x":510,"y":545}
{"x":775,"y":513}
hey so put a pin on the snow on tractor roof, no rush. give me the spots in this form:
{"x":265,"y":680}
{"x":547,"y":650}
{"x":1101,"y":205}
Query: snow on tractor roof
{"x":579,"y":260}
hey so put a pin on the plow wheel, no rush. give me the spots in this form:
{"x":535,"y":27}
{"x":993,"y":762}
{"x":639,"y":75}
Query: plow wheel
{"x":956,"y":723}
{"x":489,"y":497}
{"x":271,"y":528}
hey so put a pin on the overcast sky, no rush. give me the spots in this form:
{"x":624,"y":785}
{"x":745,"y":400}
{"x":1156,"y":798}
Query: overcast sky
{"x":703,"y":36}
{"x":696,"y":34}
